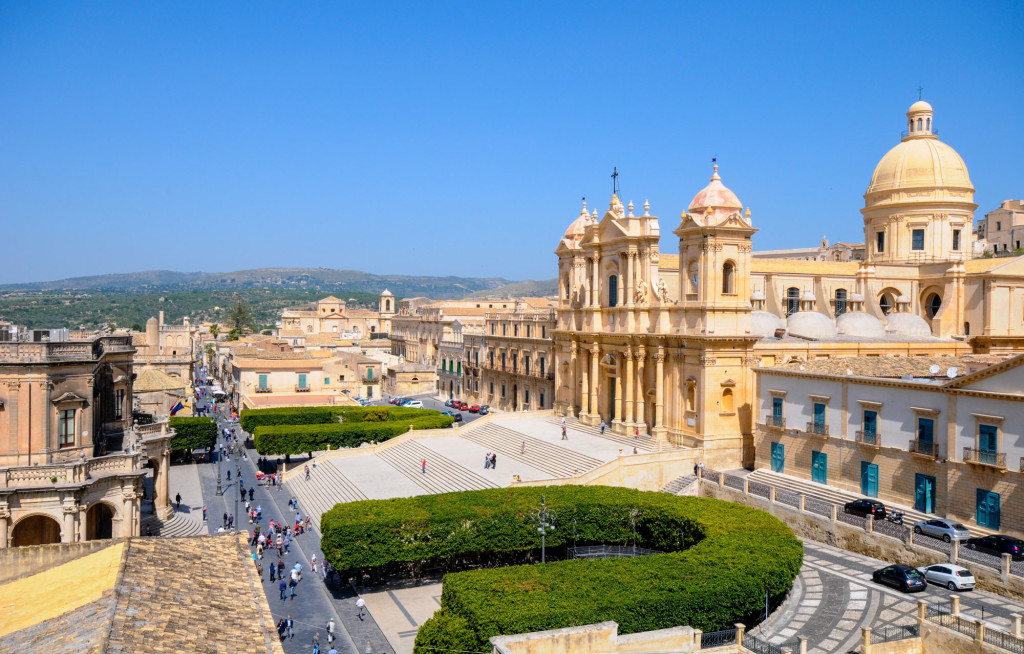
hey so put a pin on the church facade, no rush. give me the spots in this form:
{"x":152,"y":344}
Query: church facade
{"x":667,"y":344}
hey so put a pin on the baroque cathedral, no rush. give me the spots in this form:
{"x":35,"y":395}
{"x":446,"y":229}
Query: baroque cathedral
{"x":666,"y":344}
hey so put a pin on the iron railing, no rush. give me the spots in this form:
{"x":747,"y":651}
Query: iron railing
{"x":609,"y":552}
{"x":758,"y":646}
{"x":985,"y":457}
{"x":1003,"y":640}
{"x":777,"y":422}
{"x":818,"y":428}
{"x":264,"y":389}
{"x":924,"y":448}
{"x":301,"y":389}
{"x":957,"y":623}
{"x":714,"y":639}
{"x":894,"y":632}
{"x":867,"y":438}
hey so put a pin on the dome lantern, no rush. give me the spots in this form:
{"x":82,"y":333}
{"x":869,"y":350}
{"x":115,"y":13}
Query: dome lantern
{"x":919,"y":121}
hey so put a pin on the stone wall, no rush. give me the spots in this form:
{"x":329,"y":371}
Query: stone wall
{"x":18,"y":562}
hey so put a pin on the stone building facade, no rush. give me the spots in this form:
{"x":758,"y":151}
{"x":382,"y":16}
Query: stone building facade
{"x":513,"y":369}
{"x":71,"y":463}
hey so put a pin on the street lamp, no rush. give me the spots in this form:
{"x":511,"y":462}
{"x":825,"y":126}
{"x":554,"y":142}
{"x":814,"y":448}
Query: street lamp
{"x":220,"y":490}
{"x":544,"y":521}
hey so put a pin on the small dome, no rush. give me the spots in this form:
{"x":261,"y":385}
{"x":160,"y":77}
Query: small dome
{"x":151,"y":321}
{"x":918,"y":106}
{"x":855,"y":297}
{"x":858,"y":324}
{"x":720,"y":200}
{"x":811,"y":325}
{"x":807,"y":297}
{"x":763,"y":324}
{"x":387,"y":293}
{"x":907,"y":324}
{"x":757,"y":295}
{"x":903,"y":299}
{"x":578,"y":226}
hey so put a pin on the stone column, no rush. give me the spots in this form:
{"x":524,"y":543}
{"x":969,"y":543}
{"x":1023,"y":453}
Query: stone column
{"x":595,"y":287}
{"x":585,"y":386}
{"x":627,"y":405}
{"x":13,"y":390}
{"x":619,"y":403}
{"x":630,"y":270}
{"x":87,"y":427}
{"x":5,"y":516}
{"x":659,"y":394}
{"x":49,"y":439}
{"x":641,"y":415}
{"x":573,"y":365}
{"x":83,"y":520}
{"x":595,"y":370}
{"x":162,"y":496}
{"x":68,"y":533}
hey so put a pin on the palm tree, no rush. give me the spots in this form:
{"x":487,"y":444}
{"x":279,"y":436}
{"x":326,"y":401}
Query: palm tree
{"x":214,"y":330}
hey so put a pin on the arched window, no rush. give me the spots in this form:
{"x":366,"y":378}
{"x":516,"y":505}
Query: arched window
{"x":727,"y":403}
{"x":613,"y":290}
{"x":911,"y":127}
{"x":967,"y":329}
{"x":691,"y":395}
{"x":567,"y":289}
{"x":387,"y":304}
{"x":792,"y":300}
{"x":729,"y":278}
{"x":840,"y":301}
{"x":919,"y":124}
{"x":928,"y":124}
{"x":933,"y":304}
{"x":886,"y":303}
{"x":693,"y":276}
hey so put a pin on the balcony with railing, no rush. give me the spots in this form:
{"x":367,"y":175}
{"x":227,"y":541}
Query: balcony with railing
{"x":985,"y":458}
{"x":924,"y":448}
{"x":868,"y":438}
{"x":817,"y":428}
{"x":774,"y":422}
{"x":300,"y":388}
{"x":264,"y":389}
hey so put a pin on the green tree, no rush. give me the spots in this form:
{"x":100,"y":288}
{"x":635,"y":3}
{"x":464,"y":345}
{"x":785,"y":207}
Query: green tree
{"x":214,"y":330}
{"x":240,"y":317}
{"x":234,"y":334}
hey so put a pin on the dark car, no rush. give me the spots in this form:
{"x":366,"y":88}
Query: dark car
{"x":458,"y":417}
{"x":484,"y":411}
{"x":997,"y":545}
{"x":864,"y":508}
{"x":904,"y":577}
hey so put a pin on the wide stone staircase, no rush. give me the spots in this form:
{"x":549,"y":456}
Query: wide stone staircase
{"x":645,"y":442}
{"x":327,"y":486}
{"x":443,"y":475}
{"x":540,"y":455}
{"x":178,"y":525}
{"x":682,"y":485}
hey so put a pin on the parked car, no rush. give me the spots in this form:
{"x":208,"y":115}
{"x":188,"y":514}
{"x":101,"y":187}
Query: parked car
{"x":447,"y":402}
{"x":461,"y":406}
{"x":947,"y":530}
{"x":474,"y":409}
{"x":397,"y":400}
{"x":904,"y":577}
{"x":457,"y":416}
{"x":484,"y":411}
{"x":953,"y":577}
{"x":997,"y":545}
{"x":413,"y":404}
{"x":864,"y":508}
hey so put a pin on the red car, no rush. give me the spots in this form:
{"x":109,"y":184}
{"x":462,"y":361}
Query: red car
{"x":474,"y":409}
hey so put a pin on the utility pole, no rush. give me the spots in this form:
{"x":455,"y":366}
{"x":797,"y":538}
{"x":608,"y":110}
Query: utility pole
{"x":544,"y":521}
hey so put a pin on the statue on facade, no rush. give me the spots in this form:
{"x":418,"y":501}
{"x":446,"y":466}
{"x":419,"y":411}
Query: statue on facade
{"x":663,"y":291}
{"x":641,"y":292}
{"x":575,"y":294}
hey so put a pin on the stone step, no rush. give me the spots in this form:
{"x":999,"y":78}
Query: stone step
{"x":443,"y":475}
{"x":679,"y":484}
{"x":177,"y":526}
{"x":645,"y":442}
{"x":540,"y":455}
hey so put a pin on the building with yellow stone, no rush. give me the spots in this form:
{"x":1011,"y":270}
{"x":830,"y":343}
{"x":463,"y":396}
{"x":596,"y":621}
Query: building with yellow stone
{"x":666,"y":343}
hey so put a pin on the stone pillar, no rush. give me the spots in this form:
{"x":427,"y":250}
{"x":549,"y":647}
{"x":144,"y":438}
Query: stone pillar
{"x":659,"y":394}
{"x":87,"y":428}
{"x":954,"y":604}
{"x":922,"y":615}
{"x":954,"y":551}
{"x":1016,"y":624}
{"x":49,"y":439}
{"x":585,"y":386}
{"x":13,"y":390}
{"x":630,"y":269}
{"x":627,"y":408}
{"x":869,"y":524}
{"x":5,"y":516}
{"x":835,"y":512}
{"x":979,"y":630}
{"x":740,"y":630}
{"x":865,"y":640}
{"x":68,"y":533}
{"x":802,"y":646}
{"x":162,"y":497}
{"x":803,"y":503}
{"x":573,"y":362}
{"x":619,"y":403}
{"x":595,"y":370}
{"x":595,"y":287}
{"x":83,"y":522}
{"x":641,"y":415}
{"x":1004,"y":567}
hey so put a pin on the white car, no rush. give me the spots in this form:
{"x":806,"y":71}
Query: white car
{"x":413,"y":404}
{"x":953,"y":577}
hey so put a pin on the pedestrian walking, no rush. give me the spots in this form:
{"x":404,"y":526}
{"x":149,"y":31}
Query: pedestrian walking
{"x":259,"y":568}
{"x":316,"y":643}
{"x":281,"y":628}
{"x":563,"y":422}
{"x":283,"y":586}
{"x":229,"y":472}
{"x":494,"y":461}
{"x":564,"y":436}
{"x":312,"y":564}
{"x":291,"y":586}
{"x":177,"y":500}
{"x":273,"y":573}
{"x":280,"y":569}
{"x":288,"y":626}
{"x":360,"y":606}
{"x":487,"y":460}
{"x":602,"y":427}
{"x":636,"y":432}
{"x":330,"y":631}
{"x":522,"y":450}
{"x":231,"y":521}
{"x":250,"y":494}
{"x":226,"y":518}
{"x":204,"y":514}
{"x":424,"y":466}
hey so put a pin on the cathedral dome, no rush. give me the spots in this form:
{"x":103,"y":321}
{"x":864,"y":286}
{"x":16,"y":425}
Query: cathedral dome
{"x":718,"y":198}
{"x":811,"y":325}
{"x":907,"y":324}
{"x":858,"y":324}
{"x":763,"y":324}
{"x":575,"y":231}
{"x":920,"y":161}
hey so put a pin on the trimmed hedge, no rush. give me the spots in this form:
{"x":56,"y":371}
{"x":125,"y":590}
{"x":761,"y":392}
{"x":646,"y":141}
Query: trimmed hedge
{"x":316,"y":415}
{"x":193,"y":433}
{"x":722,"y":558}
{"x":361,"y":425}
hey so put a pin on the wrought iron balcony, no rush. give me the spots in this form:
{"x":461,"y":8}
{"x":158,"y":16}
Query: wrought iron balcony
{"x":817,"y":428}
{"x":264,"y":389}
{"x":775,"y":422}
{"x":301,"y":389}
{"x":985,"y":458}
{"x":924,"y":448}
{"x":868,"y":438}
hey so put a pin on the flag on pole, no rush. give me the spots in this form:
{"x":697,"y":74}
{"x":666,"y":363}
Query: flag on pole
{"x":177,"y":407}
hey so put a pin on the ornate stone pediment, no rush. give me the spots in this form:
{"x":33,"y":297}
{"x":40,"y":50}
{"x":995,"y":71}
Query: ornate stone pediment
{"x":69,"y":397}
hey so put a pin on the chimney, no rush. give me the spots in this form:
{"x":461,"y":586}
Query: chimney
{"x":161,"y":319}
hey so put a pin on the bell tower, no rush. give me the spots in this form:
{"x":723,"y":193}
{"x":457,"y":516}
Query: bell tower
{"x":714,"y":262}
{"x":386,"y":311}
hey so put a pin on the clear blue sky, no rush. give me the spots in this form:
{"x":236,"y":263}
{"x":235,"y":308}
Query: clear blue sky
{"x":458,"y":138}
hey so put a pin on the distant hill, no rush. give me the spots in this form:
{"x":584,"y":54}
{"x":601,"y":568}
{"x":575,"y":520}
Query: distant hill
{"x":528,"y":288}
{"x":129,"y":299}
